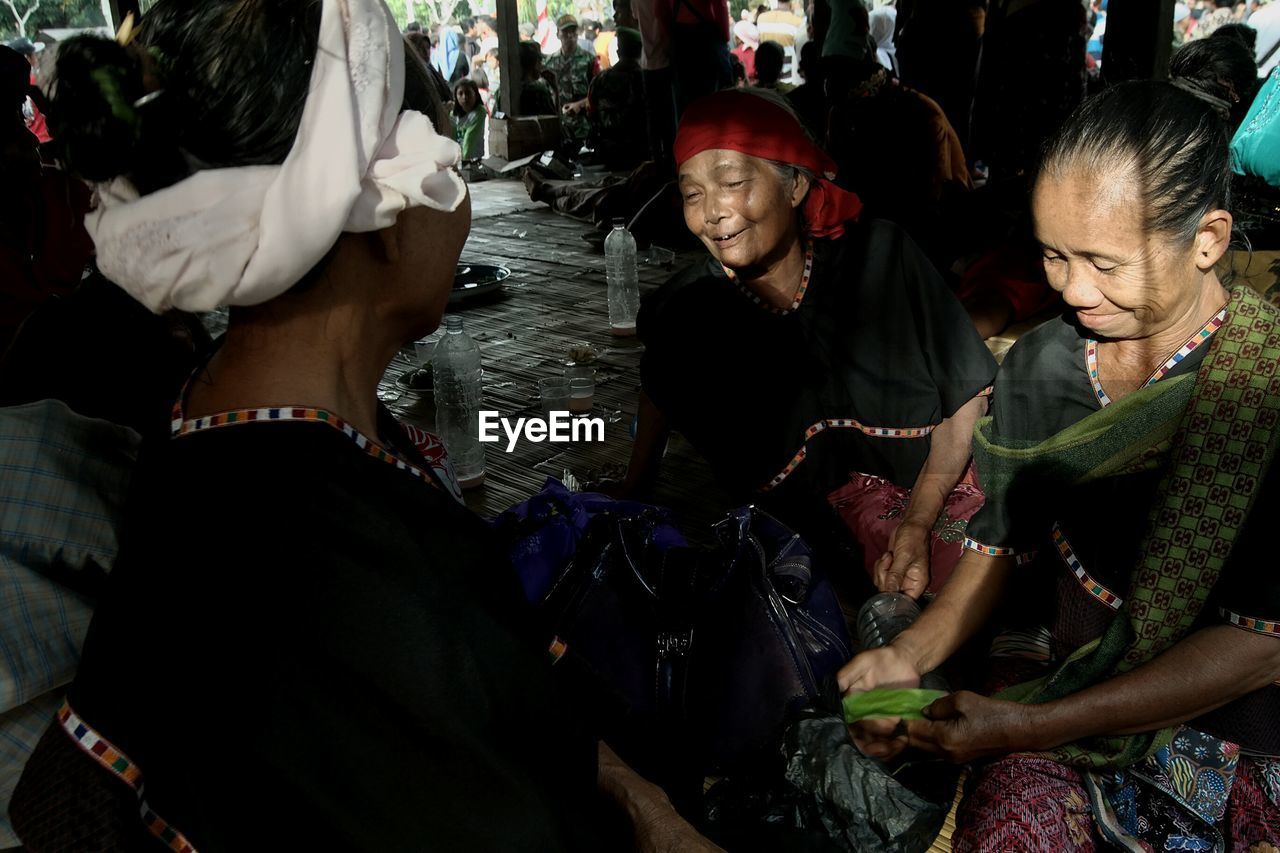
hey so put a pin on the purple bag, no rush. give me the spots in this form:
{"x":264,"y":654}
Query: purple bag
{"x":545,"y":531}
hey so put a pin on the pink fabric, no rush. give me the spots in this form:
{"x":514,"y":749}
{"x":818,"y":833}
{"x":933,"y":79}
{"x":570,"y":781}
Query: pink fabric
{"x":871,"y":507}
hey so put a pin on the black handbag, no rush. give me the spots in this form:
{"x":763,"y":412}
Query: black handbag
{"x":705,"y":653}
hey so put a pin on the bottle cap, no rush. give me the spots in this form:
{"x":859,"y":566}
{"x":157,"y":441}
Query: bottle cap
{"x":453,"y":324}
{"x":619,"y":222}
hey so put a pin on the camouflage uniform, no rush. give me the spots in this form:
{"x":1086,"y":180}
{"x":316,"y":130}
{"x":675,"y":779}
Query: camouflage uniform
{"x":573,"y":79}
{"x":619,"y":133}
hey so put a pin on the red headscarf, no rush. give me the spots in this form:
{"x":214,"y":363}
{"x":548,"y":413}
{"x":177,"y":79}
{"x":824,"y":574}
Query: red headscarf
{"x":738,"y":120}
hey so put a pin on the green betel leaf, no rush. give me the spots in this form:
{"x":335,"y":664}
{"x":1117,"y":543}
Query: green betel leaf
{"x":905,"y":703}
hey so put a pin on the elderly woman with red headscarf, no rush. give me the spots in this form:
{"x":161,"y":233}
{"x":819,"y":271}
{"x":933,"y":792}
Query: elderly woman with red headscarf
{"x":812,"y":358}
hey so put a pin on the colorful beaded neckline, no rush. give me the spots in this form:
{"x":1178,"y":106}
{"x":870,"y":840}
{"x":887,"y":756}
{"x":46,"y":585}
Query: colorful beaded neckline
{"x":1192,"y":344}
{"x":800,"y":291}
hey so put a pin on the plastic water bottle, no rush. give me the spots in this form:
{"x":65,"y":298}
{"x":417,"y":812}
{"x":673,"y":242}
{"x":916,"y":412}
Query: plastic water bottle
{"x":459,"y":395}
{"x":884,"y":617}
{"x":624,"y":285}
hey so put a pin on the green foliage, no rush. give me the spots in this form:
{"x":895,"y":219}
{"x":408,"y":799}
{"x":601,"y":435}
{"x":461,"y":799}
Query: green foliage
{"x":52,"y":14}
{"x":427,"y":12}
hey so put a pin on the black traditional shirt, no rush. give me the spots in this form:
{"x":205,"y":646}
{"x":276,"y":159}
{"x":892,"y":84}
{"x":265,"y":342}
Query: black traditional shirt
{"x":874,"y":353}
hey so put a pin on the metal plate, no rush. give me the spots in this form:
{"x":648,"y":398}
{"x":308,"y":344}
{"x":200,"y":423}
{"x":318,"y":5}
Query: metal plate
{"x":403,"y":383}
{"x":472,"y":280}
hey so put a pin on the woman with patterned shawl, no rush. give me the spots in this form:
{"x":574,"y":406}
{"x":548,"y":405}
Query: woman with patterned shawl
{"x":1127,"y":469}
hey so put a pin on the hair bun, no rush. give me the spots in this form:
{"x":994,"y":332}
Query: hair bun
{"x":94,"y":116}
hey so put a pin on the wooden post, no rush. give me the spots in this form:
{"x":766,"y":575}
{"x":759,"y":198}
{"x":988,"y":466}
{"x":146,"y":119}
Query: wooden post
{"x":1138,"y":40}
{"x":509,"y":56}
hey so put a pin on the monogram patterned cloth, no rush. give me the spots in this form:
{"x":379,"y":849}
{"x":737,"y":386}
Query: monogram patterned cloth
{"x":1212,"y":448}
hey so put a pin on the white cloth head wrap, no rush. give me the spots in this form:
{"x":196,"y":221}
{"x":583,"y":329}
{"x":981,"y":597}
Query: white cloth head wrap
{"x":242,"y":236}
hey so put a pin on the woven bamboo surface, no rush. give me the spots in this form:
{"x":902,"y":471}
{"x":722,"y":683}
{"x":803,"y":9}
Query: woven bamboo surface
{"x":555,"y":301}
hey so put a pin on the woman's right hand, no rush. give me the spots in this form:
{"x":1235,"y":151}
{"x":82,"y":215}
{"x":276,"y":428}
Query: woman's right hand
{"x":886,"y":667}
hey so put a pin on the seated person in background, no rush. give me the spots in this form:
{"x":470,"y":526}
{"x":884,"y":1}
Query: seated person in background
{"x":899,"y":153}
{"x":535,"y":95}
{"x":308,"y":584}
{"x":468,"y":118}
{"x":1131,"y":492}
{"x":809,"y":99}
{"x":617,"y":108}
{"x":746,"y":38}
{"x":769,"y":59}
{"x":811,"y":349}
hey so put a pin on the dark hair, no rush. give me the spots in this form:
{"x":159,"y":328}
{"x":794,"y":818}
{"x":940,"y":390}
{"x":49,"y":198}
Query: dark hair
{"x":467,"y":23}
{"x":739,"y":70}
{"x":1169,"y":143}
{"x":530,"y":57}
{"x":1220,"y":71}
{"x":1242,"y":33}
{"x":226,"y":82}
{"x":413,"y":27}
{"x":420,"y":42}
{"x":466,"y":83}
{"x":769,"y":58}
{"x":480,"y":78}
{"x":810,"y":67}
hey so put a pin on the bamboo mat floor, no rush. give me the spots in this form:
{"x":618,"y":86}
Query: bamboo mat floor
{"x":555,"y":301}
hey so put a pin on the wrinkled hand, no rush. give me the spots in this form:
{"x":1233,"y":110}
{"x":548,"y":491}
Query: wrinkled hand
{"x":963,"y":727}
{"x":905,"y":566}
{"x":660,"y":829}
{"x":884,"y":667}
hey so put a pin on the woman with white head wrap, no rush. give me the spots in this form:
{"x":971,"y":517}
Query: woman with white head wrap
{"x":747,"y":36}
{"x":308,"y":642}
{"x":882,"y":20}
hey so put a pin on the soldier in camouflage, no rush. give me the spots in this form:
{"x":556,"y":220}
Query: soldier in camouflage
{"x":619,"y":134}
{"x":574,"y":69}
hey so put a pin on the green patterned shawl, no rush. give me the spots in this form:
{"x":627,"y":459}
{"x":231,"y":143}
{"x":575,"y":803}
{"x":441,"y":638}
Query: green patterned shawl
{"x":1217,"y":437}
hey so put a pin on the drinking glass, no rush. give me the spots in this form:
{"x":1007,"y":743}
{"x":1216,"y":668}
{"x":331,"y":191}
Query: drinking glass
{"x":554,"y":393}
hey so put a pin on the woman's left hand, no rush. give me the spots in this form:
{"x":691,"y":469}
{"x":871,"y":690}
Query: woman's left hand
{"x":962,"y":727}
{"x":661,"y":829}
{"x":905,"y":566}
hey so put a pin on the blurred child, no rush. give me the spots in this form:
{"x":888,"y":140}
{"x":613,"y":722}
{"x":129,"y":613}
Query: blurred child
{"x":468,"y":119}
